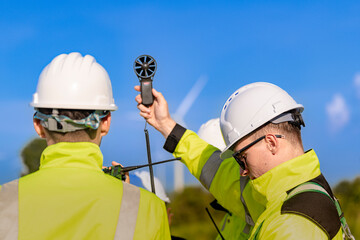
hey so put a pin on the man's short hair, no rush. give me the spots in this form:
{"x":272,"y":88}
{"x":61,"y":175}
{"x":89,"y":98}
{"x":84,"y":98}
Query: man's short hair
{"x":291,"y":132}
{"x":83,"y":135}
{"x":73,"y":114}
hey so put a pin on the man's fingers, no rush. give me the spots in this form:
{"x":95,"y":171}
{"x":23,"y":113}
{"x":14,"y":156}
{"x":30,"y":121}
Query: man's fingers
{"x":115,"y":163}
{"x":127,"y":177}
{"x":144,"y":109}
{"x":158,"y":95}
{"x":138,"y":98}
{"x":145,"y":115}
{"x":155,"y":93}
{"x":137,"y":88}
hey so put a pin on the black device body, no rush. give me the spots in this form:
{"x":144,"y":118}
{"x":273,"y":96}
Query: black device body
{"x":145,"y":68}
{"x":119,"y":172}
{"x":115,"y":171}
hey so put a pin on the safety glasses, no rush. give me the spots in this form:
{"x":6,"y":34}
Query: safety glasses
{"x":240,"y":157}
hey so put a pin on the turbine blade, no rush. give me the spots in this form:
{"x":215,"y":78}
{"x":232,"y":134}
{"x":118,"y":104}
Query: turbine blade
{"x":191,"y":97}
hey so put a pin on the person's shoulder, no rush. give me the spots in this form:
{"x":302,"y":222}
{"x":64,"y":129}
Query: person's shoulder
{"x":149,"y":196}
{"x":316,"y":208}
{"x":151,"y":207}
{"x":291,"y":226}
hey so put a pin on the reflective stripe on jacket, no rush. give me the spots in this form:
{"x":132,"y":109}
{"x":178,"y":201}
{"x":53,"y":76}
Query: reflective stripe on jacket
{"x":71,"y":198}
{"x":222,"y":178}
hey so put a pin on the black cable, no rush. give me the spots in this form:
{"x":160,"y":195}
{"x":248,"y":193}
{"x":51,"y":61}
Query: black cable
{"x":217,"y":229}
{"x":149,"y":159}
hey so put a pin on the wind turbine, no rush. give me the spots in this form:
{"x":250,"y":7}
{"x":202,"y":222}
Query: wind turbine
{"x":179,"y":116}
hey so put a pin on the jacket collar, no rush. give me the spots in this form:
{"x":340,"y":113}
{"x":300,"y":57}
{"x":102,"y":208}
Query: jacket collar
{"x":72,"y":155}
{"x":273,"y":185}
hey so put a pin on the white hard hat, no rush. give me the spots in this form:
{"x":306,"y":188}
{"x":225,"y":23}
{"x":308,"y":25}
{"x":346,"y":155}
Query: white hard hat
{"x":211,"y":133}
{"x":72,"y":81}
{"x":250,"y":107}
{"x":159,"y":189}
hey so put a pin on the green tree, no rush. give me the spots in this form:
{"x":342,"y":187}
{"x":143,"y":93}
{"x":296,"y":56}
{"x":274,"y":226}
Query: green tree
{"x":190,"y":219}
{"x":348,"y":193}
{"x":31,"y":153}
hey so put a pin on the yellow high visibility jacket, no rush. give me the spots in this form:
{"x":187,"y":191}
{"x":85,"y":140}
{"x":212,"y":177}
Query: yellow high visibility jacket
{"x":265,"y":196}
{"x":71,"y":198}
{"x":231,"y":227}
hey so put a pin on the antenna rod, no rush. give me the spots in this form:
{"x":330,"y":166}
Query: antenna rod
{"x":131,"y":168}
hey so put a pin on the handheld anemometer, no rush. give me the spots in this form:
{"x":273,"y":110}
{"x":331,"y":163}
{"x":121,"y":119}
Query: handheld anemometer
{"x":145,"y":68}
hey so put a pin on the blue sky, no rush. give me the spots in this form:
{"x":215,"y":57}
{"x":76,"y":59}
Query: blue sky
{"x":309,"y":48}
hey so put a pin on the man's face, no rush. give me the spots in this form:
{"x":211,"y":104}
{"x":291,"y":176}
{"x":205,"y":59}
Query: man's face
{"x":254,"y":156}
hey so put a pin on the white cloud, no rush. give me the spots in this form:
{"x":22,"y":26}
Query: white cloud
{"x":338,"y":113}
{"x":357,"y":84}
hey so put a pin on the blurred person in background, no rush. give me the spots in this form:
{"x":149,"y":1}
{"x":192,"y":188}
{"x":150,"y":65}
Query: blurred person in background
{"x":231,"y":226}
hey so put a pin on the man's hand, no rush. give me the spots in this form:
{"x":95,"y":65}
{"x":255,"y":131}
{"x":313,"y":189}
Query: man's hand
{"x":157,"y":115}
{"x":127,"y":177}
{"x":127,"y":180}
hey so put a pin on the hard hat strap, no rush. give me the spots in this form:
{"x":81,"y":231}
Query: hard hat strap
{"x":61,"y":123}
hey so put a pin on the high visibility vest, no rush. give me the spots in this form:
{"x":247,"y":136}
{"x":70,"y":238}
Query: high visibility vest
{"x":71,"y":198}
{"x":9,"y":211}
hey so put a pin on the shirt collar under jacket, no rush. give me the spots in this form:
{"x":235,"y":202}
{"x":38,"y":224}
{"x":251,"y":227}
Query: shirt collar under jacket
{"x":72,"y":155}
{"x":272,"y":185}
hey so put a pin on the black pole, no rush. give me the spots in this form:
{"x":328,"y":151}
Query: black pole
{"x":217,"y":229}
{"x":149,"y":159}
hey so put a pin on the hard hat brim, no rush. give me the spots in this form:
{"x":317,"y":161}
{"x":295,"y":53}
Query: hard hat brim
{"x":111,"y":107}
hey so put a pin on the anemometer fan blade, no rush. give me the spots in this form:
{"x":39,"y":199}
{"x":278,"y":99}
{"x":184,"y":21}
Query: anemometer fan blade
{"x":145,"y":66}
{"x":138,"y":70}
{"x":142,"y":60}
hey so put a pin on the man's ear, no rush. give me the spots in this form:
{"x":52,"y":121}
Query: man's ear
{"x":272,"y":143}
{"x":105,"y":125}
{"x":39,"y":128}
